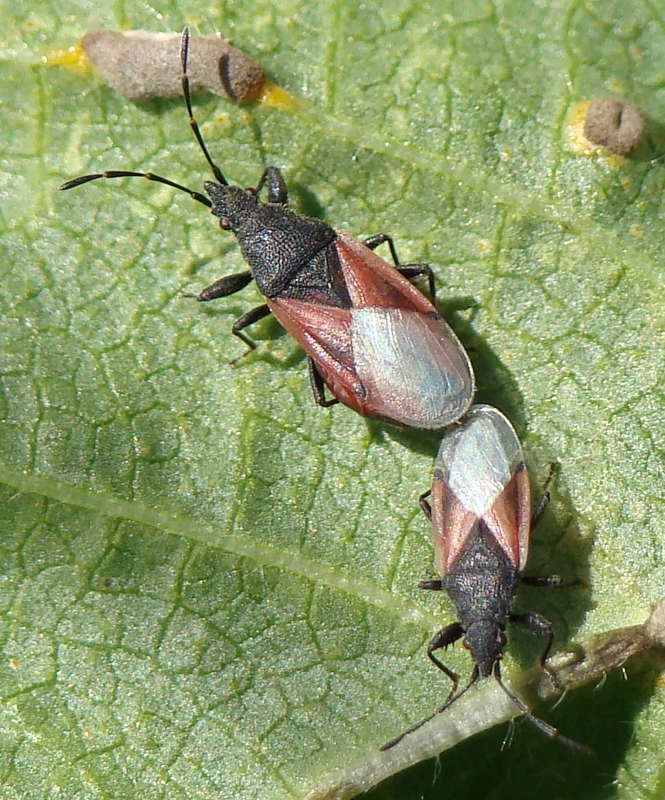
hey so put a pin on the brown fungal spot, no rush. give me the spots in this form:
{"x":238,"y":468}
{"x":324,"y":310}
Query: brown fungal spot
{"x":140,"y":65}
{"x":615,"y":123}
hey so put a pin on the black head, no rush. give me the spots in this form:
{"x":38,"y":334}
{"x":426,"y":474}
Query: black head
{"x":485,"y":640}
{"x":232,"y":204}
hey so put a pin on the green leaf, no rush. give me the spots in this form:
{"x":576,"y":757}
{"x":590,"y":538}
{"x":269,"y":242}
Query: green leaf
{"x":208,"y":584}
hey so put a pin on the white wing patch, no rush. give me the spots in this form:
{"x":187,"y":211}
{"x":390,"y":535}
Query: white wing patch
{"x":409,"y":367}
{"x":479,"y":458}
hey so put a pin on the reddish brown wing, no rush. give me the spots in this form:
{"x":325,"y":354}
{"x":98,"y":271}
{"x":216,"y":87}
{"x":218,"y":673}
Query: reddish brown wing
{"x":372,"y":283}
{"x":324,"y":333}
{"x":451,"y":525}
{"x":509,"y":518}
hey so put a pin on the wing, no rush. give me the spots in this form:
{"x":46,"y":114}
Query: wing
{"x":452,"y":525}
{"x":509,"y":518}
{"x":324,"y":333}
{"x":480,"y":469}
{"x":373,"y":283}
{"x":390,"y":355}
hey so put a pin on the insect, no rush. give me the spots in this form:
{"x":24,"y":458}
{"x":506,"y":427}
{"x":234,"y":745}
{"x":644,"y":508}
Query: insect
{"x":371,"y":337}
{"x":481,"y":521}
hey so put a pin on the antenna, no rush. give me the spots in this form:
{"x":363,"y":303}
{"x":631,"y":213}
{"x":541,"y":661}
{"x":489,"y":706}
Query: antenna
{"x":545,"y":727}
{"x":116,"y":173}
{"x":184,"y":52}
{"x":449,"y":701}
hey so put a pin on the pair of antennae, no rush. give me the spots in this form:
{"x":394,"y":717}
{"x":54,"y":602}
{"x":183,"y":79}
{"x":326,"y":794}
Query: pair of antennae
{"x":216,"y":171}
{"x":545,"y":727}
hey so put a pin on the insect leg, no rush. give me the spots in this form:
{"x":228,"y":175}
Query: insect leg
{"x":379,"y":238}
{"x":553,"y":581}
{"x":273,"y":180}
{"x":446,"y":636}
{"x":545,"y":499}
{"x":539,"y":510}
{"x":413,"y":270}
{"x":534,"y":623}
{"x":249,"y":318}
{"x":424,"y":504}
{"x":435,"y":585}
{"x":319,"y":386}
{"x":408,"y":270}
{"x":452,"y":697}
{"x":223,"y":287}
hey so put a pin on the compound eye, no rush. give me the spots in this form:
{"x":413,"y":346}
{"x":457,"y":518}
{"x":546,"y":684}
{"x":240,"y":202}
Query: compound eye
{"x":225,"y":224}
{"x":501,"y":638}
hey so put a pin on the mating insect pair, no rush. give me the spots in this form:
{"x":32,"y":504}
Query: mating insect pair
{"x":381,"y":347}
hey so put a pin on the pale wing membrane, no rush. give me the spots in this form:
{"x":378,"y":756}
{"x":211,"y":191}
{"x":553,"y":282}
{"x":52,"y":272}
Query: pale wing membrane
{"x":408,"y":368}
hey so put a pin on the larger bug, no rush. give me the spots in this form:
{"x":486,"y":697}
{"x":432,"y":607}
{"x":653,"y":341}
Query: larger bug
{"x":481,"y":518}
{"x":370,"y":336}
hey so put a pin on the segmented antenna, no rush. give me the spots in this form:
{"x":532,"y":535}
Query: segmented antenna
{"x":184,"y":51}
{"x":117,"y":173}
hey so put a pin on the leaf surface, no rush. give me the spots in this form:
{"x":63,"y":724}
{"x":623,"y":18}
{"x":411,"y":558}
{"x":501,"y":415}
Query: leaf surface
{"x":208,"y":584}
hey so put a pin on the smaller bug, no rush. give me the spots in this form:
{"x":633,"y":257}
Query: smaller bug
{"x":481,"y":521}
{"x":371,"y":337}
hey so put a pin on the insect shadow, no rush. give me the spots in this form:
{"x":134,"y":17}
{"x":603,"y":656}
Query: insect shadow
{"x":306,"y":201}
